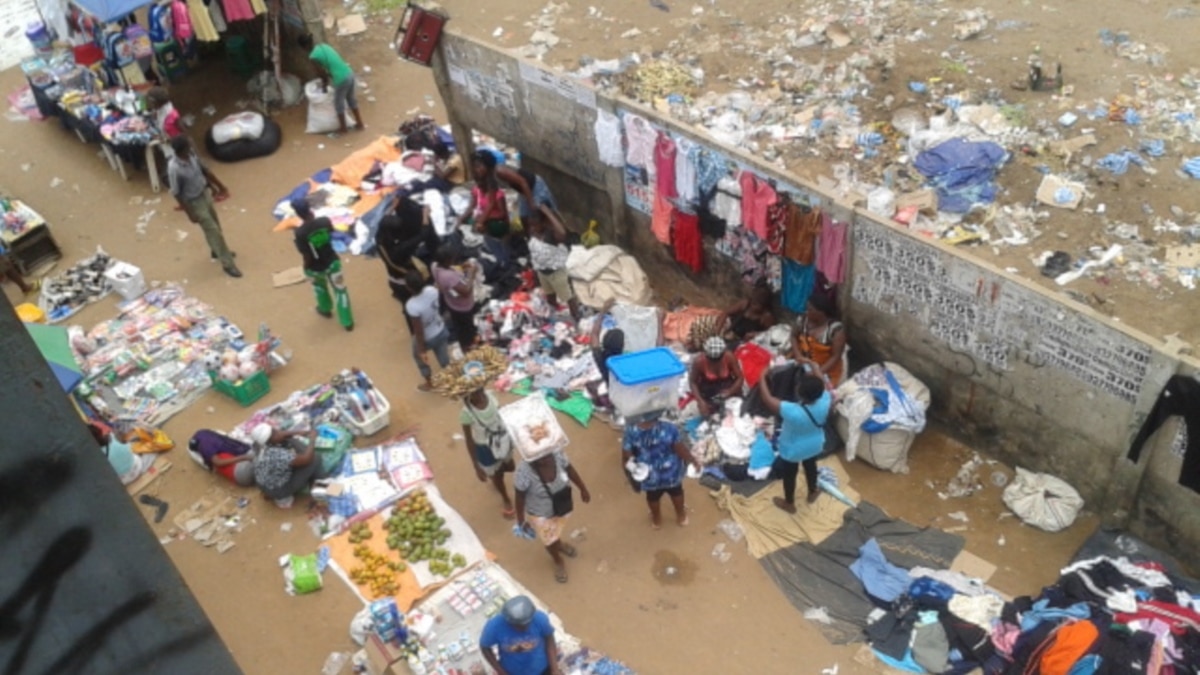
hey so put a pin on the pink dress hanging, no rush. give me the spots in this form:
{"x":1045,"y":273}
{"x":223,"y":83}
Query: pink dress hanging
{"x":237,"y":10}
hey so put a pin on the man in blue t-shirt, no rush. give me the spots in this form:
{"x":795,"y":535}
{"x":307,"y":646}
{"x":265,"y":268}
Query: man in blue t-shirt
{"x":520,"y":640}
{"x":801,"y":436}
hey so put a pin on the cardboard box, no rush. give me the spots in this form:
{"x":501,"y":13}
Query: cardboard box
{"x":381,"y":655}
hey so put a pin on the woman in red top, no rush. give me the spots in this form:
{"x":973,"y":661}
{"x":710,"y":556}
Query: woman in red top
{"x":488,"y":205}
{"x":715,"y":376}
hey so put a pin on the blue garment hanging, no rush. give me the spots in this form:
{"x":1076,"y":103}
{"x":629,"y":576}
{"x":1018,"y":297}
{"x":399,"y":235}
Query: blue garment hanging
{"x":798,"y":283}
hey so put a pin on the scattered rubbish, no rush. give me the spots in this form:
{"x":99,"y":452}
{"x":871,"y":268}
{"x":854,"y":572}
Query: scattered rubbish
{"x":971,"y":24}
{"x":1118,"y":162}
{"x":180,"y":235}
{"x":285,"y":527}
{"x":833,"y":670}
{"x":288,"y":277}
{"x":999,"y":478}
{"x":960,"y":516}
{"x":498,"y":32}
{"x":720,"y":553}
{"x":917,"y":87}
{"x":1039,"y":81}
{"x":1068,"y":118}
{"x":1191,"y":167}
{"x":660,"y":5}
{"x":351,"y":24}
{"x":818,"y":614}
{"x":1107,"y":257}
{"x":334,"y":663}
{"x":1060,"y":192}
{"x":1001,"y":541}
{"x":55,"y":182}
{"x":243,"y":502}
{"x":209,"y":110}
{"x":1054,"y":263}
{"x":731,"y":529}
{"x":602,"y":567}
{"x":579,"y":534}
{"x":966,"y":482}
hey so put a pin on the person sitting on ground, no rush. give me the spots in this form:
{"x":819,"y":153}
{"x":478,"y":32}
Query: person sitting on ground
{"x":520,"y":640}
{"x":488,"y":207}
{"x":603,"y":348}
{"x":715,"y":376}
{"x":332,"y":68}
{"x":223,"y":455}
{"x":429,"y":332}
{"x":548,"y":252}
{"x":801,"y":436}
{"x":488,"y":444}
{"x":195,"y":188}
{"x":455,"y":279}
{"x":750,"y":317}
{"x":659,"y":447}
{"x":543,"y":490}
{"x":819,"y":337}
{"x":314,"y":240}
{"x":128,"y":464}
{"x":285,"y":462}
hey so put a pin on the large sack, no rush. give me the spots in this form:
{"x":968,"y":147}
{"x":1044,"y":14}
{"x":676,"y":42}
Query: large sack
{"x":243,"y":126}
{"x":322,"y":116}
{"x":1042,"y":500}
{"x":235,"y":151}
{"x":887,"y":449}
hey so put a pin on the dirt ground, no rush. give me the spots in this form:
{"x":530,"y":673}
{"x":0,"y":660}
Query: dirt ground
{"x":727,"y":617}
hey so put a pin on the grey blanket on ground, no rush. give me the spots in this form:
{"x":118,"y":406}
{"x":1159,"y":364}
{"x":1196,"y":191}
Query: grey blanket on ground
{"x":1115,"y":543}
{"x":819,"y":576}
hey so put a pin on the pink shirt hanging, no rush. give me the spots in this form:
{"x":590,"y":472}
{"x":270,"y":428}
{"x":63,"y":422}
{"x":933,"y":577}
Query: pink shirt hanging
{"x":831,"y":250}
{"x":183,"y":22}
{"x":757,"y":196}
{"x":238,"y":10}
{"x":664,"y":166}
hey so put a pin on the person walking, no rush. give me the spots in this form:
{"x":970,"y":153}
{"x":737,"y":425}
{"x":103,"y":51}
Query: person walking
{"x":314,"y":241}
{"x":333,"y":69}
{"x":194,"y":187}
{"x":658,"y":449}
{"x":520,"y":640}
{"x":801,"y":436}
{"x":544,"y":501}
{"x":488,"y":444}
{"x":429,"y":331}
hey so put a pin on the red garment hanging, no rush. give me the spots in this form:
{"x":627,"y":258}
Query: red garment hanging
{"x":689,"y":246}
{"x":664,"y":166}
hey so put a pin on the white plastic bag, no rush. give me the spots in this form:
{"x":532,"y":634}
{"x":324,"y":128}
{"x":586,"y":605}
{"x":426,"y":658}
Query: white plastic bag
{"x":1042,"y":500}
{"x":246,"y":126}
{"x":322,"y":116}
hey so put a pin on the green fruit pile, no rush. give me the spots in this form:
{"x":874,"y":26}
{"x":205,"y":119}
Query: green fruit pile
{"x":418,"y":533}
{"x":360,"y":532}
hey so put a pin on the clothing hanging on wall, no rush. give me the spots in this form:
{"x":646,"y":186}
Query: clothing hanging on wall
{"x":660,"y":219}
{"x":1181,"y":397}
{"x":710,"y":169}
{"x":727,"y":202}
{"x":237,"y":10}
{"x":689,"y":247}
{"x":664,"y":166}
{"x":831,"y":249}
{"x":711,"y":225}
{"x":777,"y":218}
{"x":803,"y":228}
{"x":608,"y":139}
{"x":757,"y":197}
{"x":798,"y":282}
{"x":685,"y":172}
{"x":639,"y":139}
{"x":216,"y":14}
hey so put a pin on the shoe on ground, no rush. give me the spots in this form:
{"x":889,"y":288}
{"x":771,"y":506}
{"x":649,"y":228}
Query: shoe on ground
{"x":327,"y":315}
{"x":233,"y":271}
{"x":349,"y":328}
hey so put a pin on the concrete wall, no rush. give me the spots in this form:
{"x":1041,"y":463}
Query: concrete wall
{"x":86,"y":587}
{"x":1030,"y":376}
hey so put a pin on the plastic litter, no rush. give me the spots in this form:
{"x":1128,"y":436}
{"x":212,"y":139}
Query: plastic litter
{"x":1191,"y":167}
{"x":1118,"y":162}
{"x":731,"y":529}
{"x":818,"y":614}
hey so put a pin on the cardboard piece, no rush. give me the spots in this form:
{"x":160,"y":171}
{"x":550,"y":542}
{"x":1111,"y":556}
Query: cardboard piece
{"x":288,"y":277}
{"x":1187,"y":255}
{"x":973,"y":566}
{"x":925,"y":200}
{"x":1071,"y":146}
{"x":351,"y":24}
{"x":1048,"y":192}
{"x":160,"y":466}
{"x":381,"y":655}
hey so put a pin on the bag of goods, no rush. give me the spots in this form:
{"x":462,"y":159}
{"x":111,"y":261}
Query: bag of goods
{"x":322,"y":115}
{"x":241,"y":126}
{"x":1042,"y":500}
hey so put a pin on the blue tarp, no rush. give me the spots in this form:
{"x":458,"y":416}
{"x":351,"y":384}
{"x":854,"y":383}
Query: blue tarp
{"x":962,"y":172}
{"x":110,"y":10}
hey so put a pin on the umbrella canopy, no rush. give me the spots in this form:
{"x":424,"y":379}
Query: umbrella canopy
{"x":55,"y":347}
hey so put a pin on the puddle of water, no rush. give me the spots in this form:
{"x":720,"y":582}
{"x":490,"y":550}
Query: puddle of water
{"x":670,"y":569}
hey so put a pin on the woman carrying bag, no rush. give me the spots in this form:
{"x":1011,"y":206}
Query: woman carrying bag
{"x":488,"y":443}
{"x":544,"y":500}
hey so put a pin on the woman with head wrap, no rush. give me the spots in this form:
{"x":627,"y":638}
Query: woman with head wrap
{"x":715,"y":376}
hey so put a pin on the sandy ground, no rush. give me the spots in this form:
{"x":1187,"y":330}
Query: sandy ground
{"x":723,"y":617}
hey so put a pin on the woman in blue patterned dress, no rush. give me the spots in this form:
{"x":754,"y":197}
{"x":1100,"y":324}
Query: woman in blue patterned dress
{"x":658,"y":446}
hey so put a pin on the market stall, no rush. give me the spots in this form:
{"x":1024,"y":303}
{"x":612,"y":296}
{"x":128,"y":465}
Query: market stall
{"x":26,"y":236}
{"x":155,"y":359}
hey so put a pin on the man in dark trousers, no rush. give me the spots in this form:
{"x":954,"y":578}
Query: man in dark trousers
{"x":193,"y":186}
{"x":314,"y":240}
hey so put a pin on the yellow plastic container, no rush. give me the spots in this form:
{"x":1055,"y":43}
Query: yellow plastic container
{"x":30,"y":313}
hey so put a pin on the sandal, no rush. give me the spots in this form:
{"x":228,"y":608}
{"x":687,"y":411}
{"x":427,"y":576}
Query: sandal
{"x":560,"y":574}
{"x":220,"y":198}
{"x":508,"y":513}
{"x":567,"y":550}
{"x":424,"y":387}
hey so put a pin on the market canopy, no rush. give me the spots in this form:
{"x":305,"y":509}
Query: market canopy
{"x":55,"y":347}
{"x":110,"y":10}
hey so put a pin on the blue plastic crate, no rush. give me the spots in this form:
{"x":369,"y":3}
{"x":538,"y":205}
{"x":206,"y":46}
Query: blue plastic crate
{"x":645,"y":366}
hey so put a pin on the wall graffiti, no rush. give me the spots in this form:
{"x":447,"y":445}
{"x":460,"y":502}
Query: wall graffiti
{"x":997,"y":322}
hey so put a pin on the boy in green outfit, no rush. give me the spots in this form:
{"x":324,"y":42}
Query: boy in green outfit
{"x":314,"y":240}
{"x":334,"y":69}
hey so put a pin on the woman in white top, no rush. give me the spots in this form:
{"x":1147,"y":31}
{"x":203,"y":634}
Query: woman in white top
{"x":488,"y":444}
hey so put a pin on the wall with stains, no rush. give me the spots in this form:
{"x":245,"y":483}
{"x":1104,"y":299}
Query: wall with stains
{"x":1015,"y":370}
{"x":87,"y":587}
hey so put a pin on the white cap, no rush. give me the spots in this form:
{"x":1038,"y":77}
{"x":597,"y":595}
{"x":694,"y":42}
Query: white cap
{"x":261,"y":433}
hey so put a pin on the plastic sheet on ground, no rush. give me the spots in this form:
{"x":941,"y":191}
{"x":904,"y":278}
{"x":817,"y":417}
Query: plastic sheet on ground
{"x":607,"y":272}
{"x":962,"y":172}
{"x":416,"y":580}
{"x":769,"y":529}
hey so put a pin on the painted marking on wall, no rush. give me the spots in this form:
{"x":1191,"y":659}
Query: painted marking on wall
{"x":566,"y":87}
{"x":995,"y":321}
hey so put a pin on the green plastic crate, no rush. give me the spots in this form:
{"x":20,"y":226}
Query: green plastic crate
{"x":245,"y":392}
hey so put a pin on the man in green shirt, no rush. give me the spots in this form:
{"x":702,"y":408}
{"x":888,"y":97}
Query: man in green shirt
{"x":334,"y":69}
